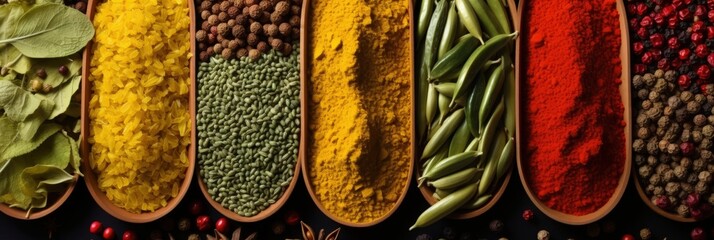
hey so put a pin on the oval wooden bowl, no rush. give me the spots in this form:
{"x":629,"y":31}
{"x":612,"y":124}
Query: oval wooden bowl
{"x":622,"y":181}
{"x":428,"y":192}
{"x":38,"y":213}
{"x":304,"y":59}
{"x":90,"y":178}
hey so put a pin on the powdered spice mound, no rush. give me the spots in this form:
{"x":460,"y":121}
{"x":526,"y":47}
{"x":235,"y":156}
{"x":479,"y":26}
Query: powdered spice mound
{"x":359,"y":107}
{"x":574,"y":126}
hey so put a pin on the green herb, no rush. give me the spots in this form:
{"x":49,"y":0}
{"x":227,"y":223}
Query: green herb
{"x":50,"y":30}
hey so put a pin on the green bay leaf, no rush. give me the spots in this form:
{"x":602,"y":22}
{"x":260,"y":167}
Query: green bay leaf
{"x":9,"y":14}
{"x":51,"y":30}
{"x":19,"y":147}
{"x":51,"y":66}
{"x":62,"y":97}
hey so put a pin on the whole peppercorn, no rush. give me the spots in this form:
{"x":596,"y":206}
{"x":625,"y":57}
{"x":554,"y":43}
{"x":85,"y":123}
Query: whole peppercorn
{"x":271,"y":30}
{"x":209,"y":51}
{"x":227,"y":54}
{"x":277,"y":44}
{"x":246,"y":11}
{"x":655,"y":179}
{"x":543,"y":235}
{"x":673,"y":148}
{"x":233,"y":45}
{"x":231,"y":23}
{"x":680,"y":172}
{"x":668,"y":175}
{"x":218,"y":48}
{"x":225,"y":5}
{"x":700,"y":98}
{"x":63,"y":70}
{"x":642,"y":120}
{"x":693,"y":107}
{"x":705,"y":176}
{"x":294,"y":21}
{"x":495,"y":225}
{"x":693,"y":178}
{"x":254,"y":54}
{"x":643,"y":94}
{"x":701,"y":187}
{"x":233,"y":12}
{"x":263,"y":47}
{"x":710,"y":200}
{"x":686,"y":96}
{"x":674,"y":102}
{"x":663,"y":122}
{"x":698,"y":165}
{"x":670,"y":75}
{"x":672,"y":188}
{"x":708,"y":131}
{"x":659,"y":73}
{"x":203,"y":55}
{"x":683,"y":210}
{"x":253,"y":39}
{"x":275,"y":18}
{"x":255,"y":12}
{"x":710,"y":119}
{"x":700,"y":120}
{"x":256,"y":28}
{"x":649,"y":189}
{"x":287,"y":49}
{"x":687,"y":188}
{"x":201,"y":35}
{"x":242,"y":53}
{"x":184,"y":224}
{"x":205,"y":14}
{"x":282,"y":8}
{"x":652,"y":147}
{"x":654,"y":113}
{"x":646,"y":104}
{"x":685,"y":136}
{"x":697,"y":136}
{"x":239,"y":31}
{"x":241,"y":19}
{"x":645,"y":171}
{"x":645,"y":234}
{"x":639,"y":146}
{"x":660,"y":85}
{"x":223,"y":17}
{"x":194,"y":237}
{"x":662,"y":145}
{"x":213,"y":20}
{"x":295,"y":9}
{"x":250,"y":2}
{"x":640,"y":159}
{"x":687,"y":148}
{"x":637,"y":82}
{"x":652,"y":161}
{"x":658,"y":190}
{"x":706,"y":155}
{"x":223,"y":29}
{"x":284,"y":29}
{"x":265,"y":6}
{"x":205,"y":5}
{"x":205,"y":26}
{"x":649,"y":79}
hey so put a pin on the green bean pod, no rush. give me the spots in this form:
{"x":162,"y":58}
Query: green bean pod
{"x":489,"y":132}
{"x":489,"y":173}
{"x":450,"y":165}
{"x":500,"y":13}
{"x":432,"y":102}
{"x":457,"y":179}
{"x":486,"y":17}
{"x":510,"y":98}
{"x":443,"y":192}
{"x":506,"y":160}
{"x":429,"y":164}
{"x":447,"y":128}
{"x":446,"y":206}
{"x":473,"y":103}
{"x":469,"y":19}
{"x":425,"y":11}
{"x":477,"y":202}
{"x":477,"y":59}
{"x":473,"y":145}
{"x":422,"y":89}
{"x":446,"y":89}
{"x":450,"y":30}
{"x":443,"y":107}
{"x":461,"y":138}
{"x":454,"y":58}
{"x":491,"y":94}
{"x":434,"y":32}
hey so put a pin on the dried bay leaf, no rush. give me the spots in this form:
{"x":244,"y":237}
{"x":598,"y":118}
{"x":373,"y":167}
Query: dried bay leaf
{"x":19,"y":103}
{"x":50,"y":30}
{"x":75,"y":159}
{"x":63,"y":96}
{"x":9,"y":14}
{"x":47,"y":177}
{"x":51,"y":66}
{"x":18,"y":147}
{"x":17,"y":192}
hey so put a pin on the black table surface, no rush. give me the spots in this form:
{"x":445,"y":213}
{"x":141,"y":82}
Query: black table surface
{"x":72,"y":220}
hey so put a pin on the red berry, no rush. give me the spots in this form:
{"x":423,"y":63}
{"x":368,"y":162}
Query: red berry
{"x":710,"y":15}
{"x":692,"y":198}
{"x":684,"y":14}
{"x":673,"y":43}
{"x":700,"y":10}
{"x":676,"y":63}
{"x":108,"y":233}
{"x":663,"y":201}
{"x":687,"y":148}
{"x":687,"y":2}
{"x":710,"y":32}
{"x":647,"y":58}
{"x":707,"y":89}
{"x":128,"y":235}
{"x":683,"y":81}
{"x":631,"y":9}
{"x":641,"y":9}
{"x":666,"y":10}
{"x":695,"y":213}
{"x":671,"y":22}
{"x":196,"y":207}
{"x":95,"y":227}
{"x":292,"y":217}
{"x":634,"y":23}
{"x":657,"y":40}
{"x":656,"y":54}
{"x":684,"y":53}
{"x":703,"y":72}
{"x":659,"y":19}
{"x":527,"y":214}
{"x":698,"y":234}
{"x":701,"y":51}
{"x":663,"y":64}
{"x":638,"y":47}
{"x":698,"y":26}
{"x":640,"y":68}
{"x":223,"y":225}
{"x":646,"y":22}
{"x":628,"y":237}
{"x":642,"y":33}
{"x":203,"y":223}
{"x":214,"y":30}
{"x":676,"y":3}
{"x":697,"y":37}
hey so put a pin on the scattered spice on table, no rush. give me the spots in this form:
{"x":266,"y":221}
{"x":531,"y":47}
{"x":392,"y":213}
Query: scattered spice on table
{"x":359,"y":107}
{"x":139,"y":119}
{"x":574,"y":128}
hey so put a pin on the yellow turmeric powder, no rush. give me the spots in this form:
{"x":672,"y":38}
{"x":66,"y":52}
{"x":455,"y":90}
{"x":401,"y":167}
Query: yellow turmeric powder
{"x":360,"y":105}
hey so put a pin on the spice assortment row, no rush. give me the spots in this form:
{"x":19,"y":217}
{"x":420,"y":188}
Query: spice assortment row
{"x":257,"y":109}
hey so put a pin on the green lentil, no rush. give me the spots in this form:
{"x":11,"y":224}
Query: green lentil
{"x":248,"y":123}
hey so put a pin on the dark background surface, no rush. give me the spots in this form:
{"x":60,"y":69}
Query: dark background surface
{"x":72,"y":220}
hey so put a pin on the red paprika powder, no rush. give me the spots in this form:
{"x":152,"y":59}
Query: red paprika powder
{"x":573,"y":112}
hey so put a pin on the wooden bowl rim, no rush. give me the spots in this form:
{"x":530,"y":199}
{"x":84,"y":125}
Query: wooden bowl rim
{"x":304,"y":119}
{"x":90,"y":178}
{"x":624,"y":177}
{"x":22,"y":214}
{"x":427,"y":192}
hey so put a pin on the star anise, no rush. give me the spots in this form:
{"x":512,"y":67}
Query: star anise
{"x":308,"y":234}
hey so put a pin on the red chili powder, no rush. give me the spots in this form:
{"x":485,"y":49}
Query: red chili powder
{"x":574,"y":132}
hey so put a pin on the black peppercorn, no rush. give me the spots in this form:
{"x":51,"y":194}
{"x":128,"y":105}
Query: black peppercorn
{"x":63,"y":70}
